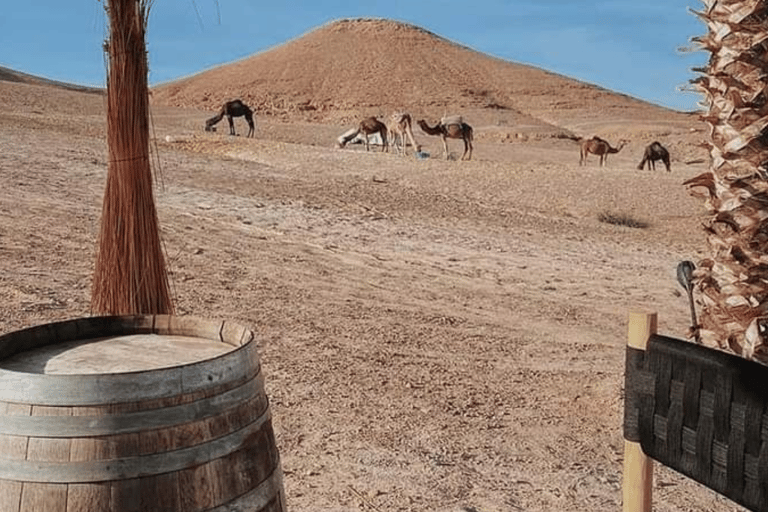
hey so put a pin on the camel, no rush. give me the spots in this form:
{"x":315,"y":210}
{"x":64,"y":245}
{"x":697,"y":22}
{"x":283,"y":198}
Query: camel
{"x":234,"y":108}
{"x":599,"y":147}
{"x":400,"y":126}
{"x":367,"y":126}
{"x":655,"y":151}
{"x":451,"y":128}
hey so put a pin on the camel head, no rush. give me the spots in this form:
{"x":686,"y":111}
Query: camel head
{"x":429,"y":130}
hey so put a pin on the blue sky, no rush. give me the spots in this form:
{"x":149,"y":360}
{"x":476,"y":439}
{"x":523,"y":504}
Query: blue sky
{"x":628,"y":47}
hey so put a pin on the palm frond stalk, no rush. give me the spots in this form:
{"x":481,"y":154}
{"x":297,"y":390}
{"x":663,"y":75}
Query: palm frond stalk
{"x":129,"y":274}
{"x":734,"y":281}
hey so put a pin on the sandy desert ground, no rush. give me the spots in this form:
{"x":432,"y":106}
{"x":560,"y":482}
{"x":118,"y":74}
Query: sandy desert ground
{"x":437,"y":335}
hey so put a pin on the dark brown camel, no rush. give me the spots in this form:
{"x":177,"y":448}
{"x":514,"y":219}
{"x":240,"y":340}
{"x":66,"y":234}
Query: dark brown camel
{"x":234,"y":108}
{"x":655,"y":151}
{"x":367,"y":126}
{"x":599,"y":147}
{"x":451,"y":128}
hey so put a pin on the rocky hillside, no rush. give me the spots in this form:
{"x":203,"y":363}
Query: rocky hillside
{"x":350,"y":68}
{"x":10,"y":75}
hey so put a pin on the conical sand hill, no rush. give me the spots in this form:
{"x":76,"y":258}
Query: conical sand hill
{"x":350,"y":68}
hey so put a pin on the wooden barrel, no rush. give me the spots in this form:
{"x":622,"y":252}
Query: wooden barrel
{"x":120,"y":414}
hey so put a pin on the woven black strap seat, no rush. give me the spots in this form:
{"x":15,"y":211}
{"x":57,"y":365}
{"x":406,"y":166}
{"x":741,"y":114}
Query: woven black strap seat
{"x":703,"y":413}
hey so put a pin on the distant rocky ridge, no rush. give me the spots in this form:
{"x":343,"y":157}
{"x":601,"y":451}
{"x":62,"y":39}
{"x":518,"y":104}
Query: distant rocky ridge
{"x":354,"y":67}
{"x":351,"y":68}
{"x":9,"y":75}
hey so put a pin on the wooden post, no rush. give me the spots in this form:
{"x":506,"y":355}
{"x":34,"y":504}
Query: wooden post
{"x":638,"y":467}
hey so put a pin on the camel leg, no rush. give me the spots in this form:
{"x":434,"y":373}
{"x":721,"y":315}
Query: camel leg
{"x":407,"y":136}
{"x":366,"y":140}
{"x":231,"y":125}
{"x":384,"y":143}
{"x":409,"y":132}
{"x":445,"y":147}
{"x":467,"y":149}
{"x":396,"y":140}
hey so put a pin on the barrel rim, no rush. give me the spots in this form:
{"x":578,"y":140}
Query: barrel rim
{"x":37,"y":389}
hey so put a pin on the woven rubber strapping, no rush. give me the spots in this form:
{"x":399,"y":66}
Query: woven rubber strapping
{"x":701,"y":412}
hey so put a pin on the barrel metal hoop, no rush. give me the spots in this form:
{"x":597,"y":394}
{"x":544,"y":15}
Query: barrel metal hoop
{"x":63,"y":427}
{"x":129,"y":467}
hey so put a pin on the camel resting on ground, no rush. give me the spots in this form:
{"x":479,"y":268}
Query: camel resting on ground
{"x":401,"y":126}
{"x":451,"y":128}
{"x":655,"y":151}
{"x":234,"y":108}
{"x":599,"y":147}
{"x":367,"y":126}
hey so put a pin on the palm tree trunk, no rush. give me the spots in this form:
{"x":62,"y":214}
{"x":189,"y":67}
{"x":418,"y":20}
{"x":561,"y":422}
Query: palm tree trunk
{"x":734,"y":281}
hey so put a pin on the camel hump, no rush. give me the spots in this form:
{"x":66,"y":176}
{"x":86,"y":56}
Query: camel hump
{"x":449,"y":120}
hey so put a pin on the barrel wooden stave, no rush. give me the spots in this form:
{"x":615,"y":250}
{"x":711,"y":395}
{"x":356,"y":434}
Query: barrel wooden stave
{"x":158,"y":466}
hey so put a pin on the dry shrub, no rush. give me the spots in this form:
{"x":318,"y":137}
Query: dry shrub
{"x":622,"y":219}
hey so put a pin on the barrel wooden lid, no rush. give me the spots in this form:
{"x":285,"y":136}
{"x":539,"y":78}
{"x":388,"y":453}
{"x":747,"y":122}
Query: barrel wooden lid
{"x":116,"y":354}
{"x":108,"y":360}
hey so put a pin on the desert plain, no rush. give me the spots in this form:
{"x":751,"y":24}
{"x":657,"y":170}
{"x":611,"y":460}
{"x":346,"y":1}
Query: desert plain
{"x":437,"y":335}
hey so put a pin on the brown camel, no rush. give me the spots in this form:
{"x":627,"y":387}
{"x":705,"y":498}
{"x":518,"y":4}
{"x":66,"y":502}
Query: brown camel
{"x":367,"y":126}
{"x":655,"y":151}
{"x":234,"y":108}
{"x":401,"y":126}
{"x":599,"y":147}
{"x":451,"y":128}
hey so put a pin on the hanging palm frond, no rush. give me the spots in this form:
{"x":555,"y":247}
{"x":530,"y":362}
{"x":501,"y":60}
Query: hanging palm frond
{"x":734,"y":281}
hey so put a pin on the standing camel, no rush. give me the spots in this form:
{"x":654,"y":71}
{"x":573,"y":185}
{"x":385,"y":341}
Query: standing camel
{"x":451,"y":128}
{"x":655,"y":151}
{"x":599,"y":147}
{"x":234,"y":108}
{"x":367,"y":126}
{"x":401,"y":125}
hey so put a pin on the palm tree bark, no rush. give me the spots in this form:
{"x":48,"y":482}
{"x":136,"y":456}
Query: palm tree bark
{"x":733,"y":282}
